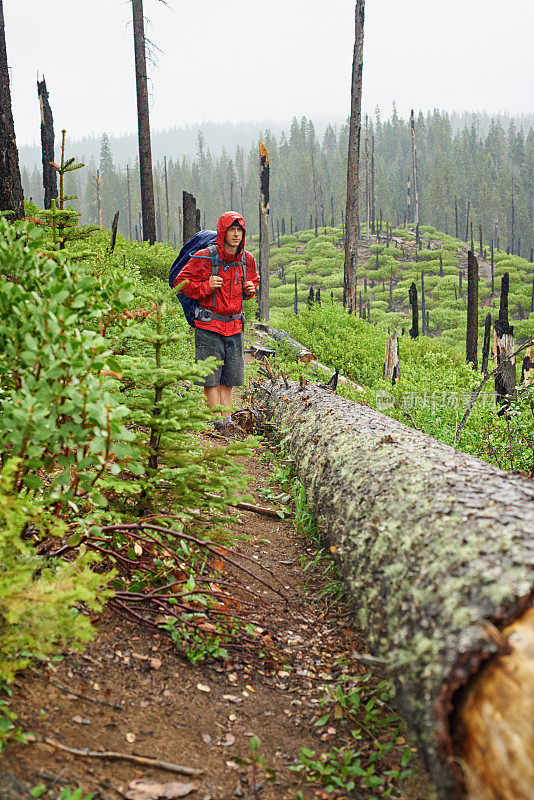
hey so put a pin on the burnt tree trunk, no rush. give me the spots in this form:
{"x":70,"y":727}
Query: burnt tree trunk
{"x":114,"y":226}
{"x":264,"y":254}
{"x":129,"y":201}
{"x":486,"y":345}
{"x":412,"y":295}
{"x":98,"y":199}
{"x":492,"y":271}
{"x":432,"y":544}
{"x":352,"y":218}
{"x":167,"y":209}
{"x":47,"y":145}
{"x":11,"y":194}
{"x":423,"y":310}
{"x":504,"y":346}
{"x":143,"y":125}
{"x":189,"y":216}
{"x":296,"y":299}
{"x":456,"y":216}
{"x":373,"y":183}
{"x":414,"y":172}
{"x":467,"y":221}
{"x":471,"y":342}
{"x":391,"y":362}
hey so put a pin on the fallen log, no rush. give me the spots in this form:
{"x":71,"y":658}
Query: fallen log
{"x":302,"y":353}
{"x":437,"y":551}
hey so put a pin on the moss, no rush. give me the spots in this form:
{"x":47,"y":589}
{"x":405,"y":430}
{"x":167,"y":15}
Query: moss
{"x":430,"y":541}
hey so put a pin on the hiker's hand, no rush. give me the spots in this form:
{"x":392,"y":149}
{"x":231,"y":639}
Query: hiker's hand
{"x":249,"y":287}
{"x":215,"y":281}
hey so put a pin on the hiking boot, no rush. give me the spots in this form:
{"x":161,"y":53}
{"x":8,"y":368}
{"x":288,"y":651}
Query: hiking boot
{"x":220,"y":425}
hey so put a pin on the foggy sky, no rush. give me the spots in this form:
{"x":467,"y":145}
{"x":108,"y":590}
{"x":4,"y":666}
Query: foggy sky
{"x":264,"y":59}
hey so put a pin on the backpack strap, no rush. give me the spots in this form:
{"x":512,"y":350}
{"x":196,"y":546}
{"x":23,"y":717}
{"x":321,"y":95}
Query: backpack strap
{"x":215,"y":263}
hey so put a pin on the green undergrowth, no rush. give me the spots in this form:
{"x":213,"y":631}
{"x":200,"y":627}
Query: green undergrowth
{"x":432,"y":392}
{"x":100,"y":421}
{"x":317,"y":262}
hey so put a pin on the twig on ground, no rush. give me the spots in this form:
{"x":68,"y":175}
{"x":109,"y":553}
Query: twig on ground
{"x":110,"y":754}
{"x":84,"y":696}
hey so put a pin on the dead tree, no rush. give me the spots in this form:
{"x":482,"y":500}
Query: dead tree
{"x":189,"y":204}
{"x":352,"y":220}
{"x":129,"y":201}
{"x":263,"y":290}
{"x":423,"y":314}
{"x":11,"y":194}
{"x":47,"y":145}
{"x":456,"y":217}
{"x":159,"y":236}
{"x":486,"y":345}
{"x":471,"y":342}
{"x":167,"y":200}
{"x":414,"y":171}
{"x":493,"y":273}
{"x":467,"y":221}
{"x":373,"y":182}
{"x":436,"y":549}
{"x":527,"y":367}
{"x":296,"y":299}
{"x":367,"y":180}
{"x":412,"y":296}
{"x":114,"y":226}
{"x":98,"y":199}
{"x":143,"y":125}
{"x":391,"y":363}
{"x":503,"y":347}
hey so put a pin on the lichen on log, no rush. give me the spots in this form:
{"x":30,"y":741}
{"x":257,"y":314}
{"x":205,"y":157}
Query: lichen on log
{"x":432,"y":544}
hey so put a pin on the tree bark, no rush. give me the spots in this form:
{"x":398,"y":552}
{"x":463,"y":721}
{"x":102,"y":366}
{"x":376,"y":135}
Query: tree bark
{"x":504,"y":346}
{"x":432,"y":544}
{"x":391,"y":362}
{"x":263,"y":289}
{"x":143,"y":125}
{"x":47,"y":145}
{"x":414,"y":171}
{"x":471,"y":343}
{"x":412,"y":295}
{"x":190,"y":216}
{"x":129,"y":201}
{"x":352,"y":219}
{"x":114,"y":226}
{"x":167,"y":210}
{"x":11,"y":194}
{"x":423,"y":310}
{"x":486,"y":345}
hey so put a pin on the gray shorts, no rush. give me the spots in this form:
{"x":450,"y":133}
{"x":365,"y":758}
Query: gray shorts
{"x":229,"y":350}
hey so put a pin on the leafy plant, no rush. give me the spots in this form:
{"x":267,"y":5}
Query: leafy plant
{"x":59,"y":419}
{"x":357,"y":765}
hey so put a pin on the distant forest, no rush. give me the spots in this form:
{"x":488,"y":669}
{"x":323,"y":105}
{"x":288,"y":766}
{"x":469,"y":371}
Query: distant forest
{"x":461,"y":158}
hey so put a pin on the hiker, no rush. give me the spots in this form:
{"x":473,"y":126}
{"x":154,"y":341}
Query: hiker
{"x":219,"y":327}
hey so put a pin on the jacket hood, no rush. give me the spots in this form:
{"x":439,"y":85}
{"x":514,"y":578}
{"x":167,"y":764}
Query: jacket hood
{"x":225,"y":220}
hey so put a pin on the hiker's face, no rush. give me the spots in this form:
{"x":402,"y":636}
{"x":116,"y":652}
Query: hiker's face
{"x":233,"y":236}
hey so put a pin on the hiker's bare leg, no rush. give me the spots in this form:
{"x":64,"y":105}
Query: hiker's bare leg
{"x":211,"y":393}
{"x":226,"y":398}
{"x":219,"y":396}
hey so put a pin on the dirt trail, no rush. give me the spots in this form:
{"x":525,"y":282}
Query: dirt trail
{"x":156,"y":704}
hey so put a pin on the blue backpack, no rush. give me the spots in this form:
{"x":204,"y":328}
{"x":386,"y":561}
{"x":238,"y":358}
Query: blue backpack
{"x":192,"y":308}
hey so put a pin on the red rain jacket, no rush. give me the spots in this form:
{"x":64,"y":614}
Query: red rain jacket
{"x":229,"y":297}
